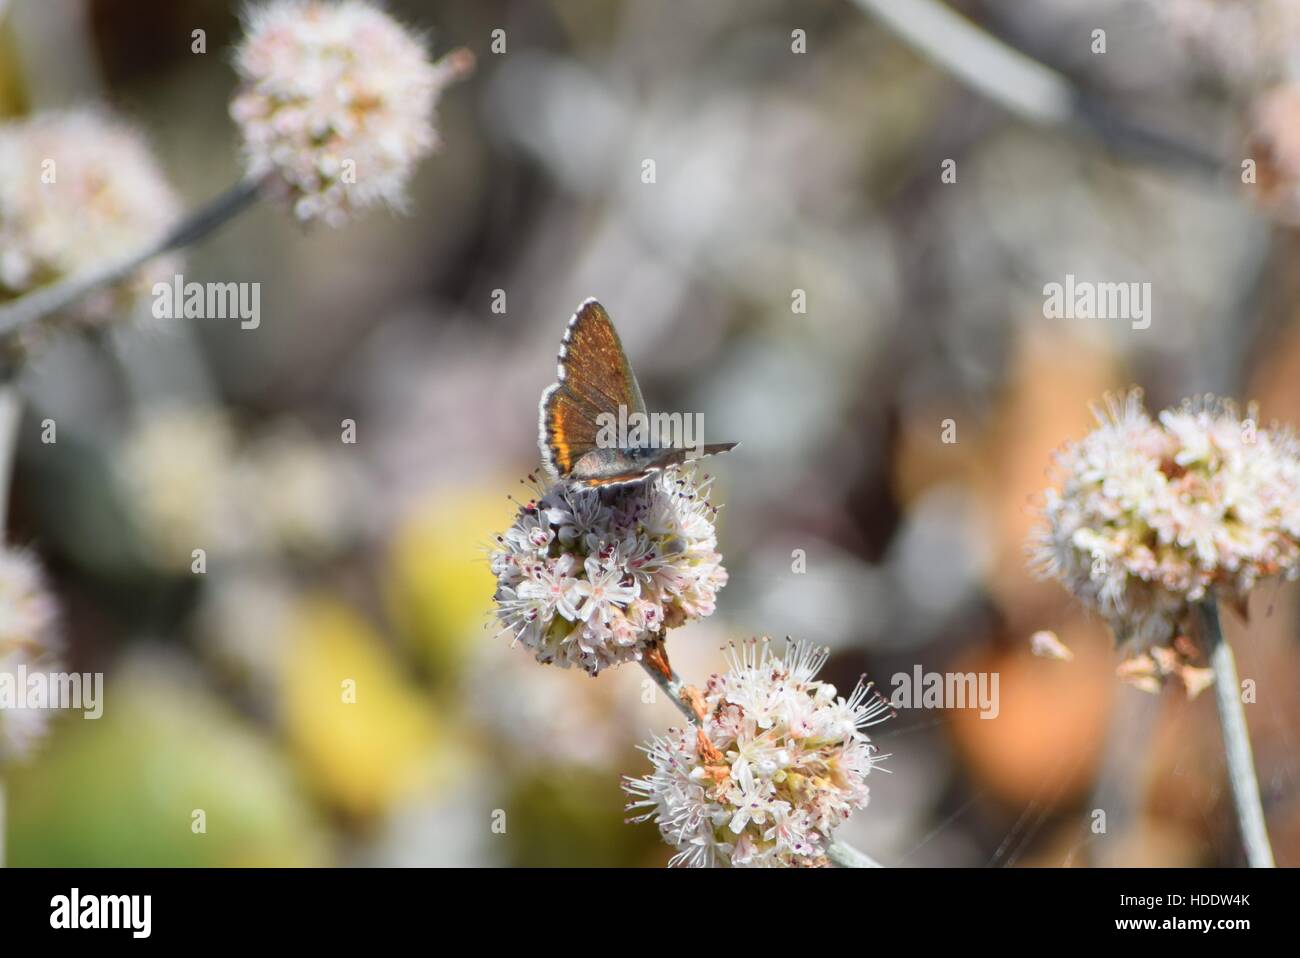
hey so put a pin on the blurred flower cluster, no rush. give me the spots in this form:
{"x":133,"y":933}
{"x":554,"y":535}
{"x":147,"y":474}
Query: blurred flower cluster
{"x":1254,"y":50}
{"x":778,"y":761}
{"x":79,"y":189}
{"x":592,"y":578}
{"x":1247,"y":42}
{"x":193,"y":485}
{"x":337,"y":101}
{"x":28,"y":642}
{"x":1152,"y":516}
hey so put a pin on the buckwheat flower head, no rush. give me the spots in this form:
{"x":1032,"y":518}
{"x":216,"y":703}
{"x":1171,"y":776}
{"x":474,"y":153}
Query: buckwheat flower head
{"x":1247,"y":43}
{"x":78,"y":189}
{"x":778,"y":761}
{"x":27,"y":641}
{"x":337,"y":100}
{"x":192,"y":483}
{"x":176,"y":470}
{"x":301,"y":488}
{"x":593,"y":578}
{"x":1152,"y":516}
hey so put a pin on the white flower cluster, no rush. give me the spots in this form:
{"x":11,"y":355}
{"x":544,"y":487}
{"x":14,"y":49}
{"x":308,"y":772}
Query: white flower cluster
{"x":778,"y":761}
{"x":591,"y":578}
{"x":27,"y":640}
{"x":192,"y":485}
{"x":78,"y":189}
{"x":1152,"y":516}
{"x":337,"y":100}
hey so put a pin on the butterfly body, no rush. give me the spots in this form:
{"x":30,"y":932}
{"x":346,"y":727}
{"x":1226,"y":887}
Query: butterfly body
{"x":595,"y":386}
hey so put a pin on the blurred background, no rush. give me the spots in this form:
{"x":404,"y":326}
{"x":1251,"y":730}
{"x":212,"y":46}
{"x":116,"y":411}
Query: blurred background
{"x":778,"y":173}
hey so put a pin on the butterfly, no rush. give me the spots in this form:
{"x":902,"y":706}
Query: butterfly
{"x":595,"y":385}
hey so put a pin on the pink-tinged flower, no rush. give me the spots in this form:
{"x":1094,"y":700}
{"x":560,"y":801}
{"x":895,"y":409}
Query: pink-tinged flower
{"x":80,"y":189}
{"x":337,"y":101}
{"x":601,"y":595}
{"x":778,"y":761}
{"x":592,"y":578}
{"x":550,"y":587}
{"x":28,"y":644}
{"x":1150,"y":517}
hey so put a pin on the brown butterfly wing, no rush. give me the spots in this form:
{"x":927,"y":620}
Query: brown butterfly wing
{"x":567,"y":431}
{"x":593,"y":366}
{"x":594,"y":377}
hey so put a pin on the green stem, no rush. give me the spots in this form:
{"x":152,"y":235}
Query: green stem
{"x":846,"y":856}
{"x":1236,"y":741}
{"x":672,"y":688}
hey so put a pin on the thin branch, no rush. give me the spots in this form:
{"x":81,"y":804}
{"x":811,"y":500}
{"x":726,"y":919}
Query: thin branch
{"x":1019,"y":83}
{"x":43,"y":302}
{"x":846,"y":856}
{"x":672,"y":688}
{"x":1236,"y":741}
